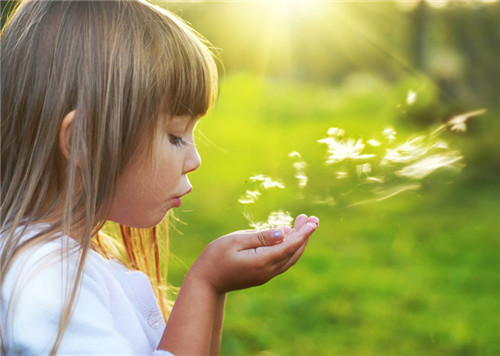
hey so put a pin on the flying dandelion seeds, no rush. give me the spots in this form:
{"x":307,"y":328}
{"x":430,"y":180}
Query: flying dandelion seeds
{"x":379,"y":168}
{"x":275,"y":219}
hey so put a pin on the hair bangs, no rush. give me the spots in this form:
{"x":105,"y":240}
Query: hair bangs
{"x":189,"y":78}
{"x":195,"y":90}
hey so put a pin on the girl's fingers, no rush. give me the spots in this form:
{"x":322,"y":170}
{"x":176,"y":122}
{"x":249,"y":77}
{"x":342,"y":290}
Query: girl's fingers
{"x":255,"y":239}
{"x":314,"y":220}
{"x":295,"y":238}
{"x":291,"y":260}
{"x":303,"y":219}
{"x":263,"y":238}
{"x":293,"y":242}
{"x":280,"y":245}
{"x":300,"y":221}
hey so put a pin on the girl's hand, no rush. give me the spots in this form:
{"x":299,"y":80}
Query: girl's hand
{"x":235,"y":261}
{"x":249,"y":258}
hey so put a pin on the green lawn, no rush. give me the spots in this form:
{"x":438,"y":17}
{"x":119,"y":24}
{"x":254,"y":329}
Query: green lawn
{"x":416,"y":274}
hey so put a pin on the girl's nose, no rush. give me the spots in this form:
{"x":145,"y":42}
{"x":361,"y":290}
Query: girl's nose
{"x":193,"y":160}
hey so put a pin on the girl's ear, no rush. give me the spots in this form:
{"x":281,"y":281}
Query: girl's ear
{"x":65,"y":133}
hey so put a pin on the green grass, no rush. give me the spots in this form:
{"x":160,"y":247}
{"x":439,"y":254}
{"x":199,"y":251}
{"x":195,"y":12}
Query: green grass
{"x":416,"y":274}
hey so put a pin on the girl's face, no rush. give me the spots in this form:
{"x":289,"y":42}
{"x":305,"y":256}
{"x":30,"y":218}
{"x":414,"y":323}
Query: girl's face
{"x":150,"y":186}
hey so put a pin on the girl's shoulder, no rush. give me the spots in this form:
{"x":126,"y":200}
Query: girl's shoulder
{"x":48,"y":269}
{"x":114,"y":306}
{"x":54,"y":253}
{"x":55,"y":264}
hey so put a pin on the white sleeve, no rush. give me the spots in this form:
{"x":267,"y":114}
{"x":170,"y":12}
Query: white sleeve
{"x":34,"y":289}
{"x":162,"y":353}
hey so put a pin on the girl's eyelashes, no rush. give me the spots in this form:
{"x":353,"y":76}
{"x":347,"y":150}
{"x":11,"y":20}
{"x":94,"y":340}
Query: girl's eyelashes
{"x":176,"y":140}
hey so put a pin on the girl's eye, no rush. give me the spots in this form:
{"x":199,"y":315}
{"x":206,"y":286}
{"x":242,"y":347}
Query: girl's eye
{"x":176,"y":140}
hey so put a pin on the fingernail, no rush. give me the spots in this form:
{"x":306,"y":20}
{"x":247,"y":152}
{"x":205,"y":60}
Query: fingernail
{"x":310,"y":227}
{"x":277,"y":234}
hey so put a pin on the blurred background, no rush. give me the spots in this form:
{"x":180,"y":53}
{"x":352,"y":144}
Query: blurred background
{"x":413,"y":274}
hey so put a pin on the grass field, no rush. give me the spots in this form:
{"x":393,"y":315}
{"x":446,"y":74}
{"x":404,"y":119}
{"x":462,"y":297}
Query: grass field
{"x":416,"y":274}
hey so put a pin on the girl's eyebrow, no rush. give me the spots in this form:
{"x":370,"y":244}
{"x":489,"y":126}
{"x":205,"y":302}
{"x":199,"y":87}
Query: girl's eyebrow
{"x":192,"y":119}
{"x":182,"y":121}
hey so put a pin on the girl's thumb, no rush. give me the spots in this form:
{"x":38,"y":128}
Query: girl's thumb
{"x":267,"y":238}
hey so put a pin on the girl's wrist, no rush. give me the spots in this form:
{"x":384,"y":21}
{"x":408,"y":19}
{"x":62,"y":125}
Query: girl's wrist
{"x":201,"y":282}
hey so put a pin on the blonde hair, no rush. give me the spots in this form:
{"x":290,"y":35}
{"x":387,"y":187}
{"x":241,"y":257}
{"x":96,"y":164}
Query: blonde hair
{"x":117,"y":63}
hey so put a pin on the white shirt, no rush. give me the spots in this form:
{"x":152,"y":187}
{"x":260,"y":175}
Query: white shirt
{"x":115,"y":313}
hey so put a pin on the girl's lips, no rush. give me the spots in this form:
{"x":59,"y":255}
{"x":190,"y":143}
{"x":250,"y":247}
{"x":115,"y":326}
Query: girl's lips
{"x":177,"y":202}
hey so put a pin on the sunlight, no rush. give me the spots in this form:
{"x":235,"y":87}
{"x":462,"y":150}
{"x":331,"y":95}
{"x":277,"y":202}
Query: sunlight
{"x":438,"y":4}
{"x":410,"y":5}
{"x":277,"y":23}
{"x":407,"y":5}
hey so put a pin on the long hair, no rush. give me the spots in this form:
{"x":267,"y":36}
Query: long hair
{"x":116,"y":63}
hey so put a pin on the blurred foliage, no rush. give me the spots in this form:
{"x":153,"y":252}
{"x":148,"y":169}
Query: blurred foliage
{"x":454,"y":48}
{"x":448,"y":49}
{"x":413,"y":274}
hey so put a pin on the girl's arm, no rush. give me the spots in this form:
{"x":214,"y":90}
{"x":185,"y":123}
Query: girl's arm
{"x":239,"y":260}
{"x":217,"y":327}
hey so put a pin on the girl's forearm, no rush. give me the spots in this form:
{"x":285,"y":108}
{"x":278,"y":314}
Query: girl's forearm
{"x":195,"y":319}
{"x":217,"y":326}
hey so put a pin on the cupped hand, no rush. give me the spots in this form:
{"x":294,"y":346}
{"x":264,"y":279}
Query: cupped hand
{"x":245,"y":259}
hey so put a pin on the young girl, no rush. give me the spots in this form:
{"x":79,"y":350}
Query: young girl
{"x":99,"y":103}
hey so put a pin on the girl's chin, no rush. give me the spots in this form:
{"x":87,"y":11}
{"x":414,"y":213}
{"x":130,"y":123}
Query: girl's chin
{"x":157,"y":214}
{"x":146,"y":223}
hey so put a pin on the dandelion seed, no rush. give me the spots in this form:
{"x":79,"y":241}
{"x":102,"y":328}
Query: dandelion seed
{"x":408,"y":151}
{"x":300,"y":173}
{"x":252,"y":224}
{"x":342,"y":150}
{"x":438,"y":130}
{"x":413,"y":160}
{"x":276,"y":219}
{"x":390,"y":134}
{"x":302,"y":180}
{"x":280,"y":219}
{"x":375,"y":179}
{"x":299,"y":166}
{"x":363,"y":169}
{"x":459,"y":127}
{"x":458,"y":123}
{"x":333,"y":131}
{"x":328,"y":141}
{"x":267,"y":182}
{"x":411,"y":97}
{"x":258,"y":178}
{"x":441,"y":145}
{"x":427,"y":165}
{"x":250,"y":197}
{"x":341,"y":175}
{"x":259,"y":225}
{"x":388,"y":193}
